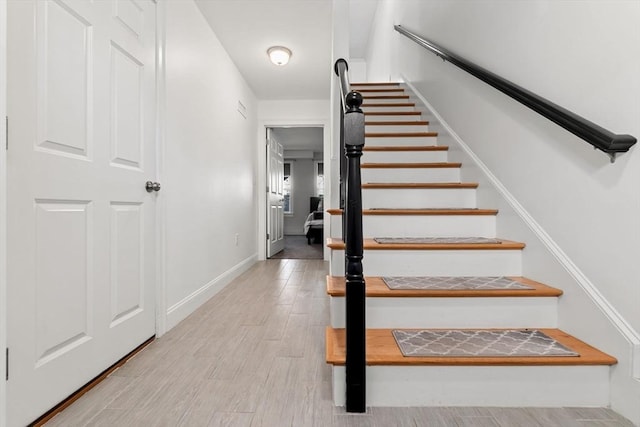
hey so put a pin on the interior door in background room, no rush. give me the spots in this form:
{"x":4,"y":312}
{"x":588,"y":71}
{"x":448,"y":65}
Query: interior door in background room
{"x":81,"y":245}
{"x":275,"y":199}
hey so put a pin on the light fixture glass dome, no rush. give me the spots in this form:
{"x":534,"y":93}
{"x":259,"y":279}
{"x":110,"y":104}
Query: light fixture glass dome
{"x":279,"y":55}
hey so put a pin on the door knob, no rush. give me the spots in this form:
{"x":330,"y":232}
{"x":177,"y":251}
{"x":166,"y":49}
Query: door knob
{"x":152,"y":186}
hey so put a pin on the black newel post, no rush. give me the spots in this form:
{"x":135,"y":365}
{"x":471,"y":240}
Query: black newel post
{"x":352,"y":141}
{"x":355,"y":286}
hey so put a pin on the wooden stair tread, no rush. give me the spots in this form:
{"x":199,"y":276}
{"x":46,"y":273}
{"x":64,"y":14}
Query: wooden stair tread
{"x":389,"y":104}
{"x":405,"y":148}
{"x":433,"y":165}
{"x":367,"y":97}
{"x":452,"y":211}
{"x":420,"y":185}
{"x":375,"y":287}
{"x":376,"y":84}
{"x":400,"y":134}
{"x":382,"y":350}
{"x":392,"y":113}
{"x":398,"y":123}
{"x":371,"y":90}
{"x":370,"y":244}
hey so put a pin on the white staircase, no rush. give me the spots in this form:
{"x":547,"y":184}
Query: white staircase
{"x":410,"y":190}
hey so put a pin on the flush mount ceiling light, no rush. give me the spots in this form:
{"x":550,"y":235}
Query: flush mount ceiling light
{"x":279,"y":55}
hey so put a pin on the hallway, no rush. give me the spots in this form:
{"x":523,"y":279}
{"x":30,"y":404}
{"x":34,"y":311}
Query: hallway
{"x":254,"y":356}
{"x":298,"y":247}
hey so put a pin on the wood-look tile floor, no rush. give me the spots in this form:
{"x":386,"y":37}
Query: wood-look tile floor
{"x":254,"y":356}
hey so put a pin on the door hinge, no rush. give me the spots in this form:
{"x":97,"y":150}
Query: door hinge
{"x":268,"y":236}
{"x":6,"y":361}
{"x":6,"y":132}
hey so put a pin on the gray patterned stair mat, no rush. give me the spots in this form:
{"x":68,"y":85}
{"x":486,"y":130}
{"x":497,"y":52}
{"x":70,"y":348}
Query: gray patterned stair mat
{"x":436,"y":240}
{"x":453,"y":283}
{"x":478,"y":343}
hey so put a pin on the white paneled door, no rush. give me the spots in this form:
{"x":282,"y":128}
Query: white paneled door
{"x":81,"y":247}
{"x":275,"y":196}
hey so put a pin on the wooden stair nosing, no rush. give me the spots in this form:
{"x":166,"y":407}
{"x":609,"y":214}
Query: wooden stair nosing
{"x":389,"y":104}
{"x":398,"y":123}
{"x":400,"y":134}
{"x":376,"y":84}
{"x":370,"y":244}
{"x":392,"y":113}
{"x":405,"y":148}
{"x":368,"y":97}
{"x":368,"y":90}
{"x":419,"y":185}
{"x":382,"y":350}
{"x":376,"y":288}
{"x":424,"y":212}
{"x":433,"y":165}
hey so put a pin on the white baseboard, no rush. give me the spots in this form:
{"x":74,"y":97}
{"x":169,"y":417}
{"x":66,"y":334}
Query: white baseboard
{"x":624,"y":328}
{"x":183,"y":308}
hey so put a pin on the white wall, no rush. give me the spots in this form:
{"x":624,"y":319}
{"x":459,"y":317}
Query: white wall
{"x":303,"y":188}
{"x":578,"y":55}
{"x":340,"y":47}
{"x":357,"y":70}
{"x":210,"y":162}
{"x":379,"y":49}
{"x":304,"y":113}
{"x":3,"y":204}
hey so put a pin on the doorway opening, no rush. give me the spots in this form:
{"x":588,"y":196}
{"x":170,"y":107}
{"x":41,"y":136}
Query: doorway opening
{"x":295,"y":202}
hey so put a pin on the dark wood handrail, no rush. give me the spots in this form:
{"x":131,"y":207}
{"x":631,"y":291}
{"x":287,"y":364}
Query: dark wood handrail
{"x":599,"y":137}
{"x":352,"y":136}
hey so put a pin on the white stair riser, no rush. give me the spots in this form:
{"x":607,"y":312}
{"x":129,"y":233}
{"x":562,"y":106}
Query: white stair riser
{"x":414,"y":141}
{"x":364,"y":88}
{"x":403,"y":156}
{"x":418,"y":198}
{"x":392,"y":118}
{"x":386,"y":108}
{"x":422,"y":226}
{"x":398,"y":128}
{"x":508,"y":386}
{"x":506,"y":312}
{"x":478,"y":262}
{"x":408,"y":175}
{"x":368,"y":100}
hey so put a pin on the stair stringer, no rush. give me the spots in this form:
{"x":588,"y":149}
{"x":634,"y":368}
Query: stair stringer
{"x":582,"y":311}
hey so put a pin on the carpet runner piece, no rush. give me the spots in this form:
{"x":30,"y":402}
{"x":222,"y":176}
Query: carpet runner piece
{"x":478,"y":343}
{"x":436,"y":240}
{"x":453,"y":283}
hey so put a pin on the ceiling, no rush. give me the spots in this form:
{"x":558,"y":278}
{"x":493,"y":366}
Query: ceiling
{"x":247,"y":28}
{"x":299,"y":138}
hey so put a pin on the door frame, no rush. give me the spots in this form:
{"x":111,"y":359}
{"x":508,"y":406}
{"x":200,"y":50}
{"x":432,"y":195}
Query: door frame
{"x":3,"y":209}
{"x":261,"y":238}
{"x":161,"y":113}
